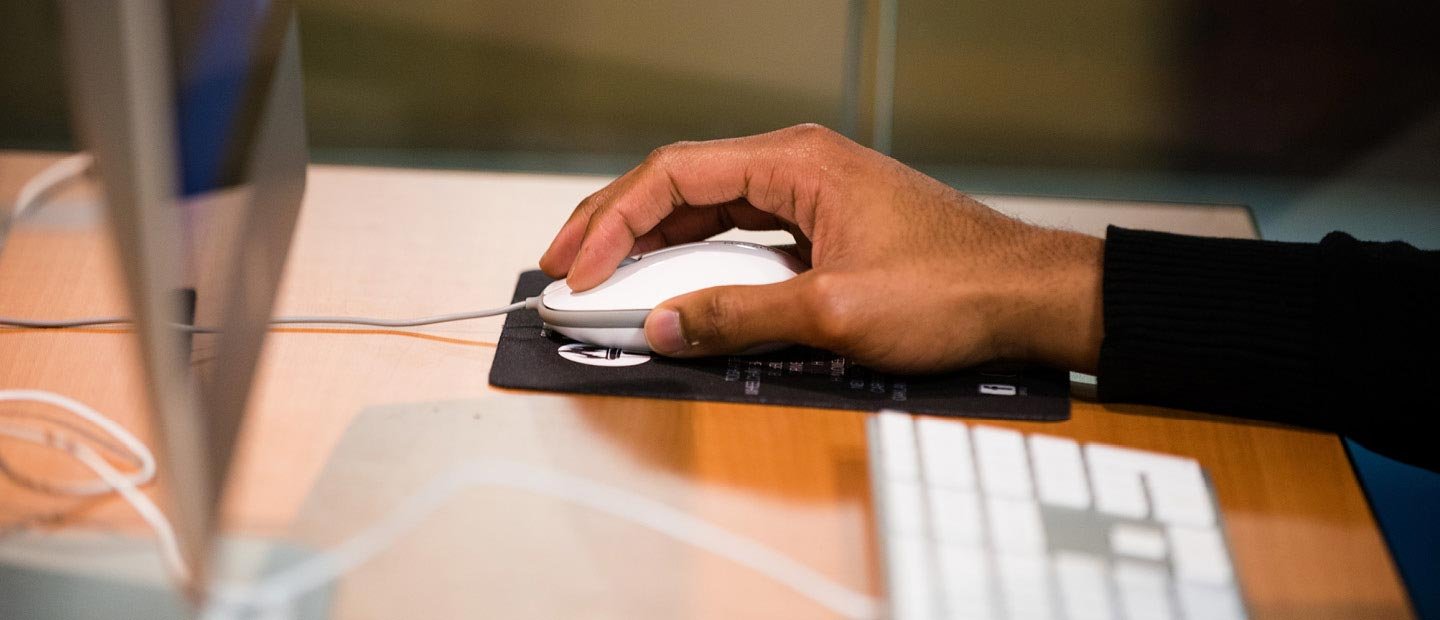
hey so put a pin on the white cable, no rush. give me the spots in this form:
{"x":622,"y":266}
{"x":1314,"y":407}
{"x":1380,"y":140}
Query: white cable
{"x":284,"y":320}
{"x":33,"y":435}
{"x":429,"y":320}
{"x":271,"y":595}
{"x":68,"y":168}
{"x":52,"y":178}
{"x":110,"y":478}
{"x":142,"y":455}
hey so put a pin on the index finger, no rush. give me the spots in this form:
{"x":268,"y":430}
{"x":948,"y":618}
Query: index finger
{"x":760,"y":169}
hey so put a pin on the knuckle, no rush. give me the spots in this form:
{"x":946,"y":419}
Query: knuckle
{"x":666,"y":154}
{"x":814,"y":134}
{"x":590,"y":203}
{"x":816,"y":149}
{"x":811,"y":129}
{"x":596,"y":218}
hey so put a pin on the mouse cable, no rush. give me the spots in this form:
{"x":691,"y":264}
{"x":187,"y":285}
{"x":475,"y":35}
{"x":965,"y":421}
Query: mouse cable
{"x":110,"y":479}
{"x":278,"y":592}
{"x":530,"y":303}
{"x":133,"y":451}
{"x":55,"y":176}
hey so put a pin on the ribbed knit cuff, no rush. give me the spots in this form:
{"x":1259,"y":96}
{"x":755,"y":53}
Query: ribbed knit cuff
{"x":1219,"y":325}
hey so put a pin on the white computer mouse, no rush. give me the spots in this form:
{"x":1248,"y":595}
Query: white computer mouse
{"x":613,"y":314}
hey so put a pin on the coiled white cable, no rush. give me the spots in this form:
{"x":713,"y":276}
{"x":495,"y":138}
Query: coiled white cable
{"x":110,"y":479}
{"x":138,"y":452}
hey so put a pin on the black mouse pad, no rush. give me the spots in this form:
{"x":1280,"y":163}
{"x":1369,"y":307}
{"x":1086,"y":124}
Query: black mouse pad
{"x":533,"y":358}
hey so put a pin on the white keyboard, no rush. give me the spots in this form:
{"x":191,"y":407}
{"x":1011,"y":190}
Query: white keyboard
{"x":979,"y":522}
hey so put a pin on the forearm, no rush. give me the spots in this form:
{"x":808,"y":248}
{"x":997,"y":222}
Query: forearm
{"x":1219,"y":325}
{"x":1338,"y":335}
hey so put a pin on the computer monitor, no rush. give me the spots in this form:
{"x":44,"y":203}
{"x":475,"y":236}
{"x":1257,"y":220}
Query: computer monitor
{"x":192,"y":110}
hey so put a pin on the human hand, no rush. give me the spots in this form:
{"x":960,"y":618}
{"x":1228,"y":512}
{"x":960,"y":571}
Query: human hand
{"x":908,"y":274}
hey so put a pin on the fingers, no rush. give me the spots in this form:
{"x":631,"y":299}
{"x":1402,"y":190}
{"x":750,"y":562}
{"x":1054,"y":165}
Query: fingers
{"x":673,"y":176}
{"x":609,"y":237}
{"x":694,"y":223}
{"x":684,"y":226}
{"x":555,"y":262}
{"x":769,"y":172}
{"x":729,"y":319}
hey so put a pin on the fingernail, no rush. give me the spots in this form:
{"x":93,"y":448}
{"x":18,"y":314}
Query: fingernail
{"x":662,"y":332}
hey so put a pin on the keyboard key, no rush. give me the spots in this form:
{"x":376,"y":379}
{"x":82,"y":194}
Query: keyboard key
{"x":1015,"y":526}
{"x":1122,"y":478}
{"x":1059,"y":472}
{"x":1003,"y":464}
{"x":1206,"y":602}
{"x":945,"y":452}
{"x":912,"y":592}
{"x":955,"y":517}
{"x":1115,"y":479}
{"x":1180,"y":494}
{"x":1084,"y":586}
{"x":966,"y":582}
{"x":1144,"y":591}
{"x":897,"y":445}
{"x":963,"y":514}
{"x":1199,"y":555}
{"x":1025,"y":581}
{"x":903,"y":507}
{"x":1138,"y":541}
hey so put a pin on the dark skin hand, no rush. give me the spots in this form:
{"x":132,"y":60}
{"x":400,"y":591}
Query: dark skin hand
{"x":908,"y":274}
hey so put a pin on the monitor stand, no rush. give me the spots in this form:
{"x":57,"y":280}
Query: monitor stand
{"x":86,"y":575}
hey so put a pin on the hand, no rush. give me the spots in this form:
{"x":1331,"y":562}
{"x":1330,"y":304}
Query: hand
{"x":908,"y":274}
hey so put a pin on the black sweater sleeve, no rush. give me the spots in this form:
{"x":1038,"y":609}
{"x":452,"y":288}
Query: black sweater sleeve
{"x":1342,"y":335}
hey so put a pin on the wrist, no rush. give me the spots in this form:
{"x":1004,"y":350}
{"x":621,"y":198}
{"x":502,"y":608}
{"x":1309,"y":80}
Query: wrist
{"x":1060,"y":320}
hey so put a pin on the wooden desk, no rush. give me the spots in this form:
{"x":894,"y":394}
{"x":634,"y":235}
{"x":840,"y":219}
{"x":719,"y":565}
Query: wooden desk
{"x":386,"y":242}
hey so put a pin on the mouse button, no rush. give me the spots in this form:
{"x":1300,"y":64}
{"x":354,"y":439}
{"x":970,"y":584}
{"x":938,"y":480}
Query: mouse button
{"x":554,"y":287}
{"x":559,"y":296}
{"x":623,"y":291}
{"x":555,"y":294}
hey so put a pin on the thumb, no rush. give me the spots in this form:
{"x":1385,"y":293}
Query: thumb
{"x":726,"y":319}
